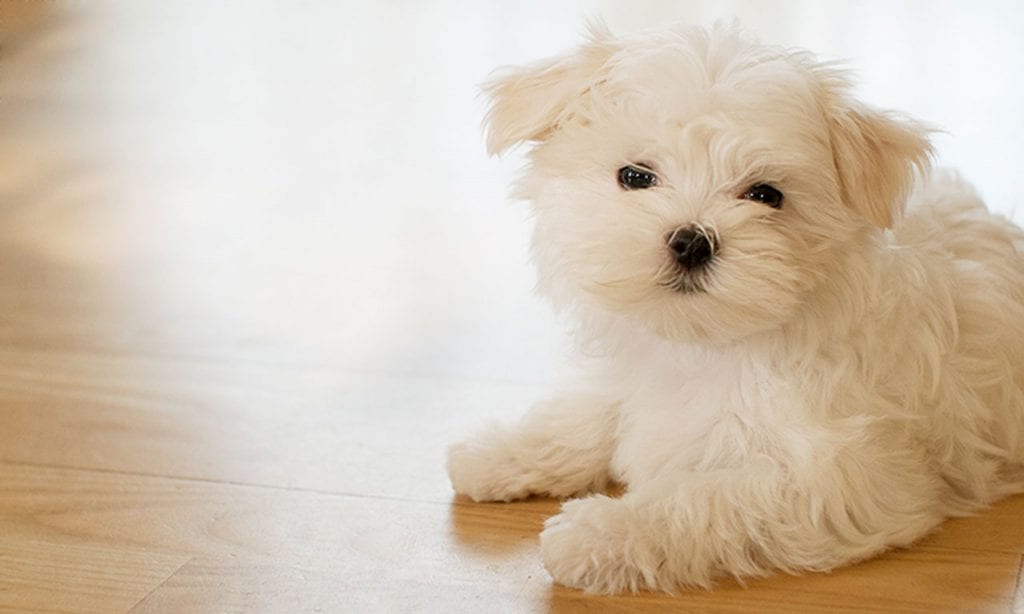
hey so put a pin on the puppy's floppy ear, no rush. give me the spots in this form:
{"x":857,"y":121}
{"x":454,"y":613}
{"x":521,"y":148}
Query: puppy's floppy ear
{"x":877,"y":155}
{"x":530,"y":102}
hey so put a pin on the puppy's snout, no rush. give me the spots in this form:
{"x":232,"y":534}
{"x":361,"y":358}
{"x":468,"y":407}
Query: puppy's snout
{"x":691,"y":246}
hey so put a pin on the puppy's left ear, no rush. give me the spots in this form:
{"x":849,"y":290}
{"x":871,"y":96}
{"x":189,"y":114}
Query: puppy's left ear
{"x":877,"y":155}
{"x":529,"y":103}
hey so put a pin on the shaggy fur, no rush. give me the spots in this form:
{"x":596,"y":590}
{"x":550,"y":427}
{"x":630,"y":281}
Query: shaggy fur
{"x":846,"y":372}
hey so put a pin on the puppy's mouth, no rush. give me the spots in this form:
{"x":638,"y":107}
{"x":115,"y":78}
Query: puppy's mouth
{"x":686,"y":282}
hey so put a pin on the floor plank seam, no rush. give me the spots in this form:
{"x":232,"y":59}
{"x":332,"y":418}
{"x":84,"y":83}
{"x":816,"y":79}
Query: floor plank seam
{"x":312,"y":491}
{"x":163,"y":582}
{"x":940,"y":548}
{"x":1017,"y":607}
{"x":216,"y":360}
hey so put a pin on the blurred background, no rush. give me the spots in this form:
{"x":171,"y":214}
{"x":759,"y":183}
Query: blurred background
{"x":306,"y":182}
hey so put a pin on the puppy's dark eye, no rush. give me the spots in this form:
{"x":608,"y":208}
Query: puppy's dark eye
{"x":764,"y":194}
{"x":635,"y":178}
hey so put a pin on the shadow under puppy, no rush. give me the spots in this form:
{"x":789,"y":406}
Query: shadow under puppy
{"x":800,"y":346}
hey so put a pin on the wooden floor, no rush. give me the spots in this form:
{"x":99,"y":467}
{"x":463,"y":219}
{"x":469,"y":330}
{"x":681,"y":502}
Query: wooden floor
{"x":245,"y":303}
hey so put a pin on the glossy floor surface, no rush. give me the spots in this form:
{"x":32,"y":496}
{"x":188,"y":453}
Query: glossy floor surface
{"x":256,"y":272}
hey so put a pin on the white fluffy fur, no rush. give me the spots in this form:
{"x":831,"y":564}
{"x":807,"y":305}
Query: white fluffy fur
{"x":852,"y":374}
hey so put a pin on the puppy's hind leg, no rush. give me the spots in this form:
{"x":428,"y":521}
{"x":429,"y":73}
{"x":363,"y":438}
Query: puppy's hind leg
{"x":561,"y":447}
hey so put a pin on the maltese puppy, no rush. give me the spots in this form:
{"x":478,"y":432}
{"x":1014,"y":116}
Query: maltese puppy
{"x":798,"y":346}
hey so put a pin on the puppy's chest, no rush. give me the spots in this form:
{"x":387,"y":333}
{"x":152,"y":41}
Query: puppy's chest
{"x":692,"y":420}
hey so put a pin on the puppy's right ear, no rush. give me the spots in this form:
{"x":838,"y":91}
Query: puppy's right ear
{"x":877,"y":154}
{"x":530,"y":102}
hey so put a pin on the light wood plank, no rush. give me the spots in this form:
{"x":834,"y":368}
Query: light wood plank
{"x":251,"y":548}
{"x":72,"y":574}
{"x":998,"y":528}
{"x":300,"y":426}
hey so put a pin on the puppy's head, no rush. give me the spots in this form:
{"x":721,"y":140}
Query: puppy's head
{"x":697,"y":183}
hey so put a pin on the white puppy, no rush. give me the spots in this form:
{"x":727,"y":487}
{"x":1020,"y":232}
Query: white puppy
{"x":801,"y":347}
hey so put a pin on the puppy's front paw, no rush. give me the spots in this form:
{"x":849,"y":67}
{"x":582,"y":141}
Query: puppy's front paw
{"x":486,"y":473}
{"x":598,"y":545}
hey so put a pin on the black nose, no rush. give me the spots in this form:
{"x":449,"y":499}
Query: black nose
{"x":691,"y":247}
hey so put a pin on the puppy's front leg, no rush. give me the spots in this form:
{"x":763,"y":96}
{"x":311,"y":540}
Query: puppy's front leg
{"x":561,"y":447}
{"x":686,"y":530}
